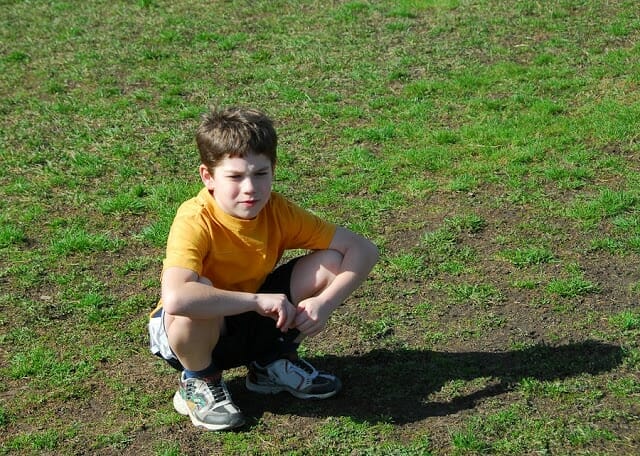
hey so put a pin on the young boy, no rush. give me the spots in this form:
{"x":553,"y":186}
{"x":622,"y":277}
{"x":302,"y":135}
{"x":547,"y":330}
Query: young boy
{"x":222,"y":303}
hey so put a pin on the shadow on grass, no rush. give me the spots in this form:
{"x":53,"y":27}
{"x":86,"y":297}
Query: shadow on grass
{"x":395,"y":384}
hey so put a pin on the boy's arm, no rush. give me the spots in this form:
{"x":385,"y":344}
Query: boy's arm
{"x":185,"y":293}
{"x":359,"y":255}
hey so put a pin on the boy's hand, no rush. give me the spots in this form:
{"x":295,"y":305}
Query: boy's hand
{"x":278,"y":307}
{"x":312,"y":316}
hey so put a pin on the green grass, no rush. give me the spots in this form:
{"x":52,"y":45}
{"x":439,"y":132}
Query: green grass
{"x":489,"y":148}
{"x":528,"y":256}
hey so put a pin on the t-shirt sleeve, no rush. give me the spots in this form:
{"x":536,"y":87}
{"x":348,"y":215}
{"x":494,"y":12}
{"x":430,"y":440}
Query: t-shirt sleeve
{"x":304,"y":230}
{"x":187,"y":243}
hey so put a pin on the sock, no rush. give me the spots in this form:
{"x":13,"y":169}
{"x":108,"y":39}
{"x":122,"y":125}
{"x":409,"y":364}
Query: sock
{"x":210,"y":371}
{"x":289,"y":348}
{"x":287,"y":343}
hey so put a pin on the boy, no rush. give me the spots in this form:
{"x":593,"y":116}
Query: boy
{"x":222,"y":303}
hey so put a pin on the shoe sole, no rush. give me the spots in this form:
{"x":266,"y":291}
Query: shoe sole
{"x":181,"y":407}
{"x":279,"y":389}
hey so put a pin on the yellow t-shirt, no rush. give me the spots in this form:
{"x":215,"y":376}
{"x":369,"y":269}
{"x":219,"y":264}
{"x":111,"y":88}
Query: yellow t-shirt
{"x":237,"y":254}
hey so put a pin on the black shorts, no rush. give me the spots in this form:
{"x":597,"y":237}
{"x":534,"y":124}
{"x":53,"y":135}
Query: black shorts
{"x":250,"y":336}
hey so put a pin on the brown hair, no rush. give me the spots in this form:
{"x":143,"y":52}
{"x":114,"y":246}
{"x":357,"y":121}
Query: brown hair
{"x":235,"y":132}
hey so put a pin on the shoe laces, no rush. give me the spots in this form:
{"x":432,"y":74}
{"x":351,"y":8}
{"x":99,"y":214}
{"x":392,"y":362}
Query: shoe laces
{"x":217,"y":388}
{"x":305,"y":366}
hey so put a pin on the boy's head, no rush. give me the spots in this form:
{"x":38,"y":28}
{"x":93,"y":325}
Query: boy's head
{"x":235,"y":132}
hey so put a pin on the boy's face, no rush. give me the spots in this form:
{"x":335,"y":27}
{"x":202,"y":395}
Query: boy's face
{"x":240,"y":186}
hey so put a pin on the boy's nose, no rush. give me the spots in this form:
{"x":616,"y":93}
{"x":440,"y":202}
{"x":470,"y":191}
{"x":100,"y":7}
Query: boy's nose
{"x":248,"y":186}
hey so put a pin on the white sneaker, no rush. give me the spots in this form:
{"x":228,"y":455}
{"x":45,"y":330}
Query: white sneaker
{"x":297,"y":377}
{"x":208,"y":403}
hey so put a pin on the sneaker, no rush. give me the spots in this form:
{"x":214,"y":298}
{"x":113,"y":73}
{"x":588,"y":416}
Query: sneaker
{"x":296,"y":376}
{"x":208,"y":403}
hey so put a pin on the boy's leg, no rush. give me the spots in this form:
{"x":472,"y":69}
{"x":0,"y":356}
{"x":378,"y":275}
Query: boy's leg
{"x":192,"y":341}
{"x":202,"y":395}
{"x":313,"y":273}
{"x":282,"y":370}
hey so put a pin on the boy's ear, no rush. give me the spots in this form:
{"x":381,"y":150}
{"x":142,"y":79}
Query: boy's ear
{"x":206,"y":176}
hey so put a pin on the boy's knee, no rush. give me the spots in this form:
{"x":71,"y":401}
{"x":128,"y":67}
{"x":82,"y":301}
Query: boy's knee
{"x":203,"y":279}
{"x":332,"y":259}
{"x":329,"y":264}
{"x":180,"y":328}
{"x":314,"y":272}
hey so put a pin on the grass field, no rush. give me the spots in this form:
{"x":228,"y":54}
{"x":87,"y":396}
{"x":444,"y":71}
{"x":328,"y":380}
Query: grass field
{"x":490,"y":148}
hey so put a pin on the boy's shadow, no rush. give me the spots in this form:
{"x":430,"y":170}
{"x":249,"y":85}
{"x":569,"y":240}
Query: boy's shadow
{"x":395,"y":384}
